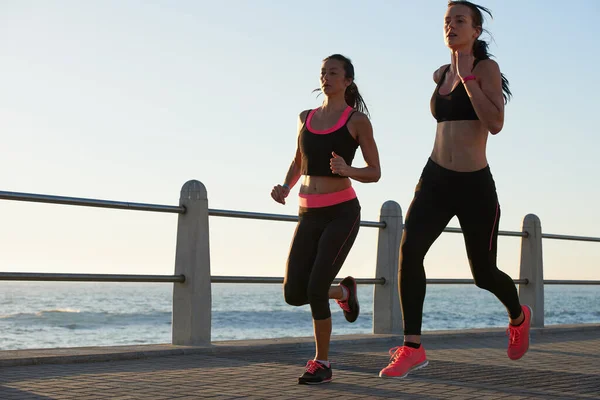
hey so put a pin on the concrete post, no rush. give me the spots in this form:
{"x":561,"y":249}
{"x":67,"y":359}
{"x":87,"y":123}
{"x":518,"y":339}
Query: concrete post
{"x":192,"y":298}
{"x":532,"y":268}
{"x":387,"y":314}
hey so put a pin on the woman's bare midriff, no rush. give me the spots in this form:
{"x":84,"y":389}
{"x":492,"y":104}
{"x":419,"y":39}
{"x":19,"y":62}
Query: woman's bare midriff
{"x":460,"y":146}
{"x":323,"y":184}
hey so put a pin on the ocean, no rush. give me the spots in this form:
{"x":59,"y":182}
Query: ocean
{"x":74,"y":314}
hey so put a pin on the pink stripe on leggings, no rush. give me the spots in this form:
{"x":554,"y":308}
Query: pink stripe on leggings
{"x":494,"y":226}
{"x":349,"y":233}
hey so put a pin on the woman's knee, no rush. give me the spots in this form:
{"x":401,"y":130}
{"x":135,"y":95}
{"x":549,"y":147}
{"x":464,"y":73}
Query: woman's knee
{"x":319,"y":309}
{"x":320,"y":312}
{"x":484,"y":274}
{"x":319,"y":303}
{"x":294,"y":295}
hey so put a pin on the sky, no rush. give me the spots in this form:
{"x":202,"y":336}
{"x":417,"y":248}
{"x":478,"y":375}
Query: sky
{"x":127,"y":100}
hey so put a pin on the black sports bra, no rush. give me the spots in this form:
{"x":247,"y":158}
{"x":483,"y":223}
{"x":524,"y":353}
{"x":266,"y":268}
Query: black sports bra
{"x":455,"y":106}
{"x":316,"y":146}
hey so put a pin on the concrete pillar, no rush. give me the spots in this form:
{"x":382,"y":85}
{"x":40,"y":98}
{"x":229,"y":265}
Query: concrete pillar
{"x":192,"y":298}
{"x":532,"y":268}
{"x":387,"y":314}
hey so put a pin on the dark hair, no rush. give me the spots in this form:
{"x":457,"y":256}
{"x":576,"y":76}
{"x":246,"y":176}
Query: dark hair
{"x":352,"y":96}
{"x":480,"y":47}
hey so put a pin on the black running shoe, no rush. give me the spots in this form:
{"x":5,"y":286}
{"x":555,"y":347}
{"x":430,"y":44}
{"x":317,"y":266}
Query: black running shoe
{"x":350,"y":306}
{"x":315,"y":374}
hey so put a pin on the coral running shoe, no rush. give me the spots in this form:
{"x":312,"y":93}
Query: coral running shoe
{"x":518,"y":336}
{"x":350,"y":305}
{"x":404,"y":360}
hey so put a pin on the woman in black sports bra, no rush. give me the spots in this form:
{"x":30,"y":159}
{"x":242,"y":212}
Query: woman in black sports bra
{"x":329,"y":215}
{"x":468,"y":104}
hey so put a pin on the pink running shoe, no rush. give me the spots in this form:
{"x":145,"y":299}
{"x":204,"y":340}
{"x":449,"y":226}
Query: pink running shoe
{"x":404,"y":359}
{"x":518,"y":336}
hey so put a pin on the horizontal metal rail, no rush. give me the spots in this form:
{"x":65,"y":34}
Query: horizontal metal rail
{"x":76,"y":201}
{"x":40,"y":276}
{"x":569,"y":282}
{"x":266,"y":279}
{"x":382,"y":281}
{"x":41,"y":198}
{"x":276,"y":217}
{"x":500,"y":233}
{"x":252,"y":215}
{"x":86,"y":202}
{"x":363,"y":281}
{"x":451,"y":281}
{"x":52,"y":277}
{"x":570,"y":237}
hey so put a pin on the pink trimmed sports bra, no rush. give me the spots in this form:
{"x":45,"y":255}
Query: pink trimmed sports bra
{"x":316,"y":146}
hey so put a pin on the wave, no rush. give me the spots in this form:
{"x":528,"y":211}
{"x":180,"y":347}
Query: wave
{"x":77,"y":319}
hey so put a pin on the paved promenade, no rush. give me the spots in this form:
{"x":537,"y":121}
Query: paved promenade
{"x":562,"y":363}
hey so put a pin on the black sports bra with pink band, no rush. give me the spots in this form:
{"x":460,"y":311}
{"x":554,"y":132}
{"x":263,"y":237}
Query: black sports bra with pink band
{"x":316,"y":146}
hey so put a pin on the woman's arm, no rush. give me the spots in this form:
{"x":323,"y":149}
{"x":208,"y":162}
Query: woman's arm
{"x":360,"y":125}
{"x":485,"y":93}
{"x":280,"y":192}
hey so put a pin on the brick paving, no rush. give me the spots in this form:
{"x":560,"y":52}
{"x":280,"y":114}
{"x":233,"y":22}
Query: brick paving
{"x":561,"y":364}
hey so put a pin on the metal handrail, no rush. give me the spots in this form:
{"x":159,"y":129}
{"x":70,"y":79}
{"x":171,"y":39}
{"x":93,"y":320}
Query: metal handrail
{"x":266,"y":279}
{"x":87,"y":202}
{"x":360,"y":281}
{"x":570,"y":237}
{"x":569,"y":282}
{"x":453,"y":281}
{"x":78,"y":201}
{"x":41,"y":276}
{"x":500,"y":233}
{"x":276,"y":217}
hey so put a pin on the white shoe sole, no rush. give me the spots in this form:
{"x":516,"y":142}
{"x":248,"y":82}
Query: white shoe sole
{"x":416,"y":367}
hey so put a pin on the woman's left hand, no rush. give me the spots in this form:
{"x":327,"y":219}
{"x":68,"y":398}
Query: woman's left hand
{"x":464,"y":63}
{"x":338,"y":165}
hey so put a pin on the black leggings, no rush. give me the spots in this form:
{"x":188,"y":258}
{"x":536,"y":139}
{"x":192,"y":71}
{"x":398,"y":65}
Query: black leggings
{"x":440,"y":195}
{"x":322,"y":241}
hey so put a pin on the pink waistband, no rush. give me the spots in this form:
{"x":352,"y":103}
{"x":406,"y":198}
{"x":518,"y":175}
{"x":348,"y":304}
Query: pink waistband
{"x":327,"y":199}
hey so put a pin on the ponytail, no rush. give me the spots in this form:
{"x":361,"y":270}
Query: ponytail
{"x":480,"y":52}
{"x":355,"y":100}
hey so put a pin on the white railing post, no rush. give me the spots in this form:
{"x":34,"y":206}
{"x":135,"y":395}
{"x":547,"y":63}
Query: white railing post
{"x":192,"y":298}
{"x":532,"y":268}
{"x":387,"y":314}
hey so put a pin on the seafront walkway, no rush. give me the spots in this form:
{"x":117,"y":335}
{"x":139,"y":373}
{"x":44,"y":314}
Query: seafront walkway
{"x":562,"y":363}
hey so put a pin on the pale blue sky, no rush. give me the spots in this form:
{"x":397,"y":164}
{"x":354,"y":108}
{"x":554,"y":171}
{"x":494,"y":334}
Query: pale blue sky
{"x":127,"y":100}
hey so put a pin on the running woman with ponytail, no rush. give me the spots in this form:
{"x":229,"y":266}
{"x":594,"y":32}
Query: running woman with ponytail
{"x":329,"y":214}
{"x":468,"y":103}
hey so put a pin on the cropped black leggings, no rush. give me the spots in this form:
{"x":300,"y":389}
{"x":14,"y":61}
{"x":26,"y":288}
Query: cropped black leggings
{"x":440,"y":195}
{"x":322,"y":241}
